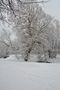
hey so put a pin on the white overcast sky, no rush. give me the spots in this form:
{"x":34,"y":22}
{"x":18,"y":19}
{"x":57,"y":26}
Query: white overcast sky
{"x":53,"y":8}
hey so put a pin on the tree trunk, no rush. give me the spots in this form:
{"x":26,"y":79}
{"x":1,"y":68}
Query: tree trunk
{"x":28,"y":51}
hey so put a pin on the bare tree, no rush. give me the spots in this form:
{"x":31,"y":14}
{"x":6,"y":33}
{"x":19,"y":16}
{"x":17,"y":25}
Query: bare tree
{"x":5,"y":42}
{"x":30,"y":21}
{"x":12,"y":6}
{"x":32,"y":26}
{"x":5,"y":39}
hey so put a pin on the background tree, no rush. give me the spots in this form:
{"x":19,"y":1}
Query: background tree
{"x":7,"y":44}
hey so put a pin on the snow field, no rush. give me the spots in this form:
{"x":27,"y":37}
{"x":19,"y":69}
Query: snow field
{"x":29,"y":76}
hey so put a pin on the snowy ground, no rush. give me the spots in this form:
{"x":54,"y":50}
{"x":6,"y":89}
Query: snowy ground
{"x":29,"y":75}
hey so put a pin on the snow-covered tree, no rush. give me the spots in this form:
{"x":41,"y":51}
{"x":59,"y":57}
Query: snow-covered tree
{"x":7,"y":43}
{"x":35,"y":29}
{"x":32,"y":26}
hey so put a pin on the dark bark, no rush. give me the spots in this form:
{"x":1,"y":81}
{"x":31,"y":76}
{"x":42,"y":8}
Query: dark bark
{"x":28,"y":51}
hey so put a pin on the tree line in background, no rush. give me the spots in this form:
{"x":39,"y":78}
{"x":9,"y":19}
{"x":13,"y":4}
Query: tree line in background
{"x":36,"y":32}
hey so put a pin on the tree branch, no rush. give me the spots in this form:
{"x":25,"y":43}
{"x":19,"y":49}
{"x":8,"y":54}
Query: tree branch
{"x":31,"y":2}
